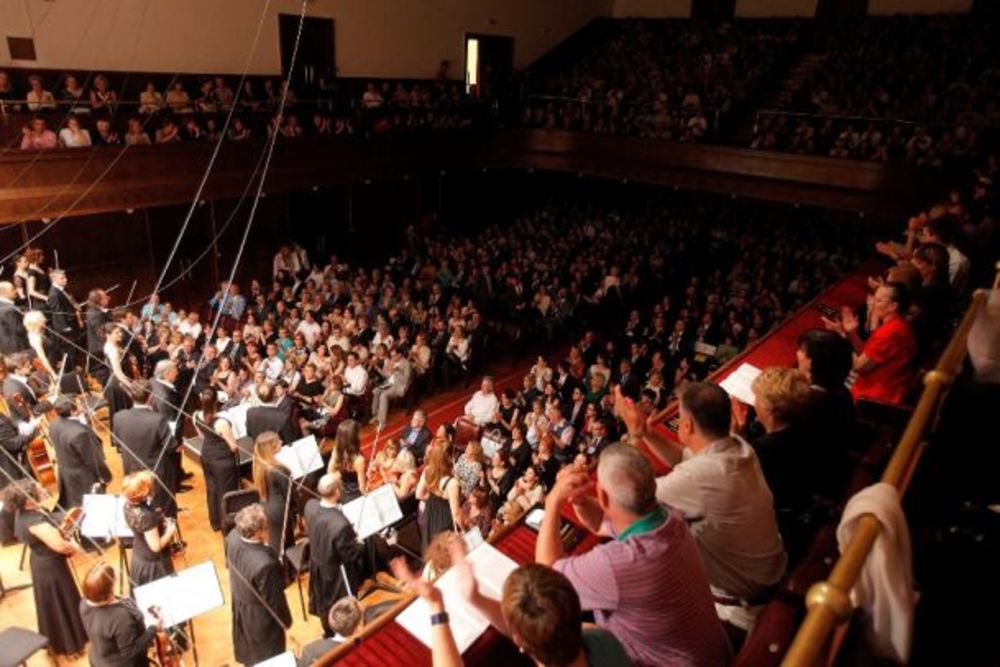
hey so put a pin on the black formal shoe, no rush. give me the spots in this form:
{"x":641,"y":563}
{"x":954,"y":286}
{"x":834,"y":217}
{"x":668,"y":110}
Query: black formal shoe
{"x":184,"y":488}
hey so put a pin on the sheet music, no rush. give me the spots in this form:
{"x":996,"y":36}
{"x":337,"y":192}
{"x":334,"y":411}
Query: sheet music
{"x":237,"y":418}
{"x":301,"y":457}
{"x":181,"y":596}
{"x":491,"y":569}
{"x":739,"y":381}
{"x":534,"y":518}
{"x":286,"y":659}
{"x":380,"y":508}
{"x":104,"y":517}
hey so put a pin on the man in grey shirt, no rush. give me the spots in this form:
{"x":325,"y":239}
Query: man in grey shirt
{"x":717,"y":484}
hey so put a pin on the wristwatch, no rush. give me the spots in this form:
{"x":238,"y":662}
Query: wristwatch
{"x":439,"y":619}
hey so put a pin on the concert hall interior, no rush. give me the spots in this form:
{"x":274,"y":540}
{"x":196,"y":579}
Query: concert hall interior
{"x":499,"y":332}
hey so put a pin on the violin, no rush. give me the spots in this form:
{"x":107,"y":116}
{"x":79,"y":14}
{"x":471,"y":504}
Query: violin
{"x":166,"y":651}
{"x":69,"y":527}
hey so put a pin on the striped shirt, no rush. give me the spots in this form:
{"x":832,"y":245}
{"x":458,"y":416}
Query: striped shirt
{"x":651,"y":591}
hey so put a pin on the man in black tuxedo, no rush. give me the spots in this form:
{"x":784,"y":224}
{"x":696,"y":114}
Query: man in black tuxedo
{"x":333,"y":544}
{"x":416,"y":435}
{"x":237,"y":349}
{"x":166,"y":400}
{"x":576,"y":409}
{"x":16,"y":389}
{"x":13,"y":337}
{"x":62,"y":319}
{"x":628,"y":379}
{"x":80,"y":455}
{"x":260,"y":609}
{"x":97,"y":316}
{"x":145,"y":439}
{"x":269,"y":417}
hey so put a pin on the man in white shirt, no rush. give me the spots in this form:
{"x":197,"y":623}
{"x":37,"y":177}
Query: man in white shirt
{"x":355,"y":376}
{"x":309,"y":328}
{"x":483,"y":405}
{"x":190,"y":326}
{"x":272,"y":364}
{"x":717,"y":483}
{"x":338,"y":338}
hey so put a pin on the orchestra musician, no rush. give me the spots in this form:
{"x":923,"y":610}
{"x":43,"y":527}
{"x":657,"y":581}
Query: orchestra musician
{"x":257,"y":584}
{"x":272,"y":481}
{"x":167,"y":401}
{"x":332,"y":543}
{"x":66,"y":319}
{"x":11,"y":468}
{"x":154,"y":532}
{"x":145,"y":437}
{"x":219,"y":453}
{"x":79,"y":453}
{"x":115,"y":626}
{"x":116,"y":389}
{"x":97,"y":318}
{"x":34,"y":326}
{"x":16,"y":389}
{"x":268,"y":417}
{"x":13,"y":338}
{"x":57,"y":600}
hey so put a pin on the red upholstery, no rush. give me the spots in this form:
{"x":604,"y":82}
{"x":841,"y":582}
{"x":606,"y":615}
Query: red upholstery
{"x":465,"y":430}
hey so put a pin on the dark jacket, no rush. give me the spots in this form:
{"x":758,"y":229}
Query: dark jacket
{"x":81,"y":460}
{"x":260,"y":610}
{"x":269,"y":418}
{"x":13,"y":337}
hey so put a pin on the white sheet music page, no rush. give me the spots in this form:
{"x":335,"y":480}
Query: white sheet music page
{"x":104,"y":517}
{"x":181,"y":596}
{"x":371,"y":513}
{"x":738,"y":383}
{"x":301,"y":457}
{"x":286,"y":659}
{"x":491,"y":569}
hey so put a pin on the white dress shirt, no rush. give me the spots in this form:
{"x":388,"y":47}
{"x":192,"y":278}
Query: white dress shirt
{"x":482,"y":407}
{"x":357,"y":380}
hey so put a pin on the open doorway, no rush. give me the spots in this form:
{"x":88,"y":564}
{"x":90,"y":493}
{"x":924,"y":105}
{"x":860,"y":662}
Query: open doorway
{"x":489,"y":66}
{"x":316,"y":52}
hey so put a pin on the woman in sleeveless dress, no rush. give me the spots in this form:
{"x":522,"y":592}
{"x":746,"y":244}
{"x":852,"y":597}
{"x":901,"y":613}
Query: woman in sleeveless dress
{"x":38,"y":279}
{"x":348,"y":460}
{"x":273,"y":483}
{"x":57,"y":600}
{"x":153,"y":532}
{"x":440,"y":494}
{"x":218,"y":455}
{"x":21,"y":279}
{"x":116,"y":390}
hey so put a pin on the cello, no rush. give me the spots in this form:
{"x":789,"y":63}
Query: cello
{"x":37,"y":452}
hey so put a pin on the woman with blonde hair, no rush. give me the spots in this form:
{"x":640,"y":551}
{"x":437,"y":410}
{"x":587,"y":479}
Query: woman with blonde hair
{"x":154,"y":533}
{"x":348,"y":460}
{"x":439,"y":492}
{"x":218,"y":454}
{"x":34,"y":325}
{"x":272,"y":481}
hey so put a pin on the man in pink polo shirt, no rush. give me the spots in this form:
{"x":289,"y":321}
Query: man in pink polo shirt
{"x":647,"y":585}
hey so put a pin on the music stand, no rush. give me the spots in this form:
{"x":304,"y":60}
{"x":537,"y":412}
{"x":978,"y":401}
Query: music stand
{"x":181,"y":596}
{"x":104,"y":519}
{"x":370,"y":515}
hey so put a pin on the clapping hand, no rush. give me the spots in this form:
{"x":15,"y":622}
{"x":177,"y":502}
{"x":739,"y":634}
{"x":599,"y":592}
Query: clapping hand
{"x":401,"y":570}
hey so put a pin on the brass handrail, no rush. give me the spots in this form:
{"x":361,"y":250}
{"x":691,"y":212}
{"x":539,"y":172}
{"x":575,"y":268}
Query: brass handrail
{"x":829,"y":601}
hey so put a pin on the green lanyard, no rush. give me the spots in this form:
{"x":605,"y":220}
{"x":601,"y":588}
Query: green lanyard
{"x":644,"y":524}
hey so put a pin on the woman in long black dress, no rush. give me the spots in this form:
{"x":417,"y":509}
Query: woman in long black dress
{"x":348,"y":460}
{"x":116,"y":628}
{"x":273,"y":483}
{"x":57,"y":600}
{"x":154,"y":533}
{"x":440,"y":494}
{"x":218,"y":455}
{"x":116,"y":390}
